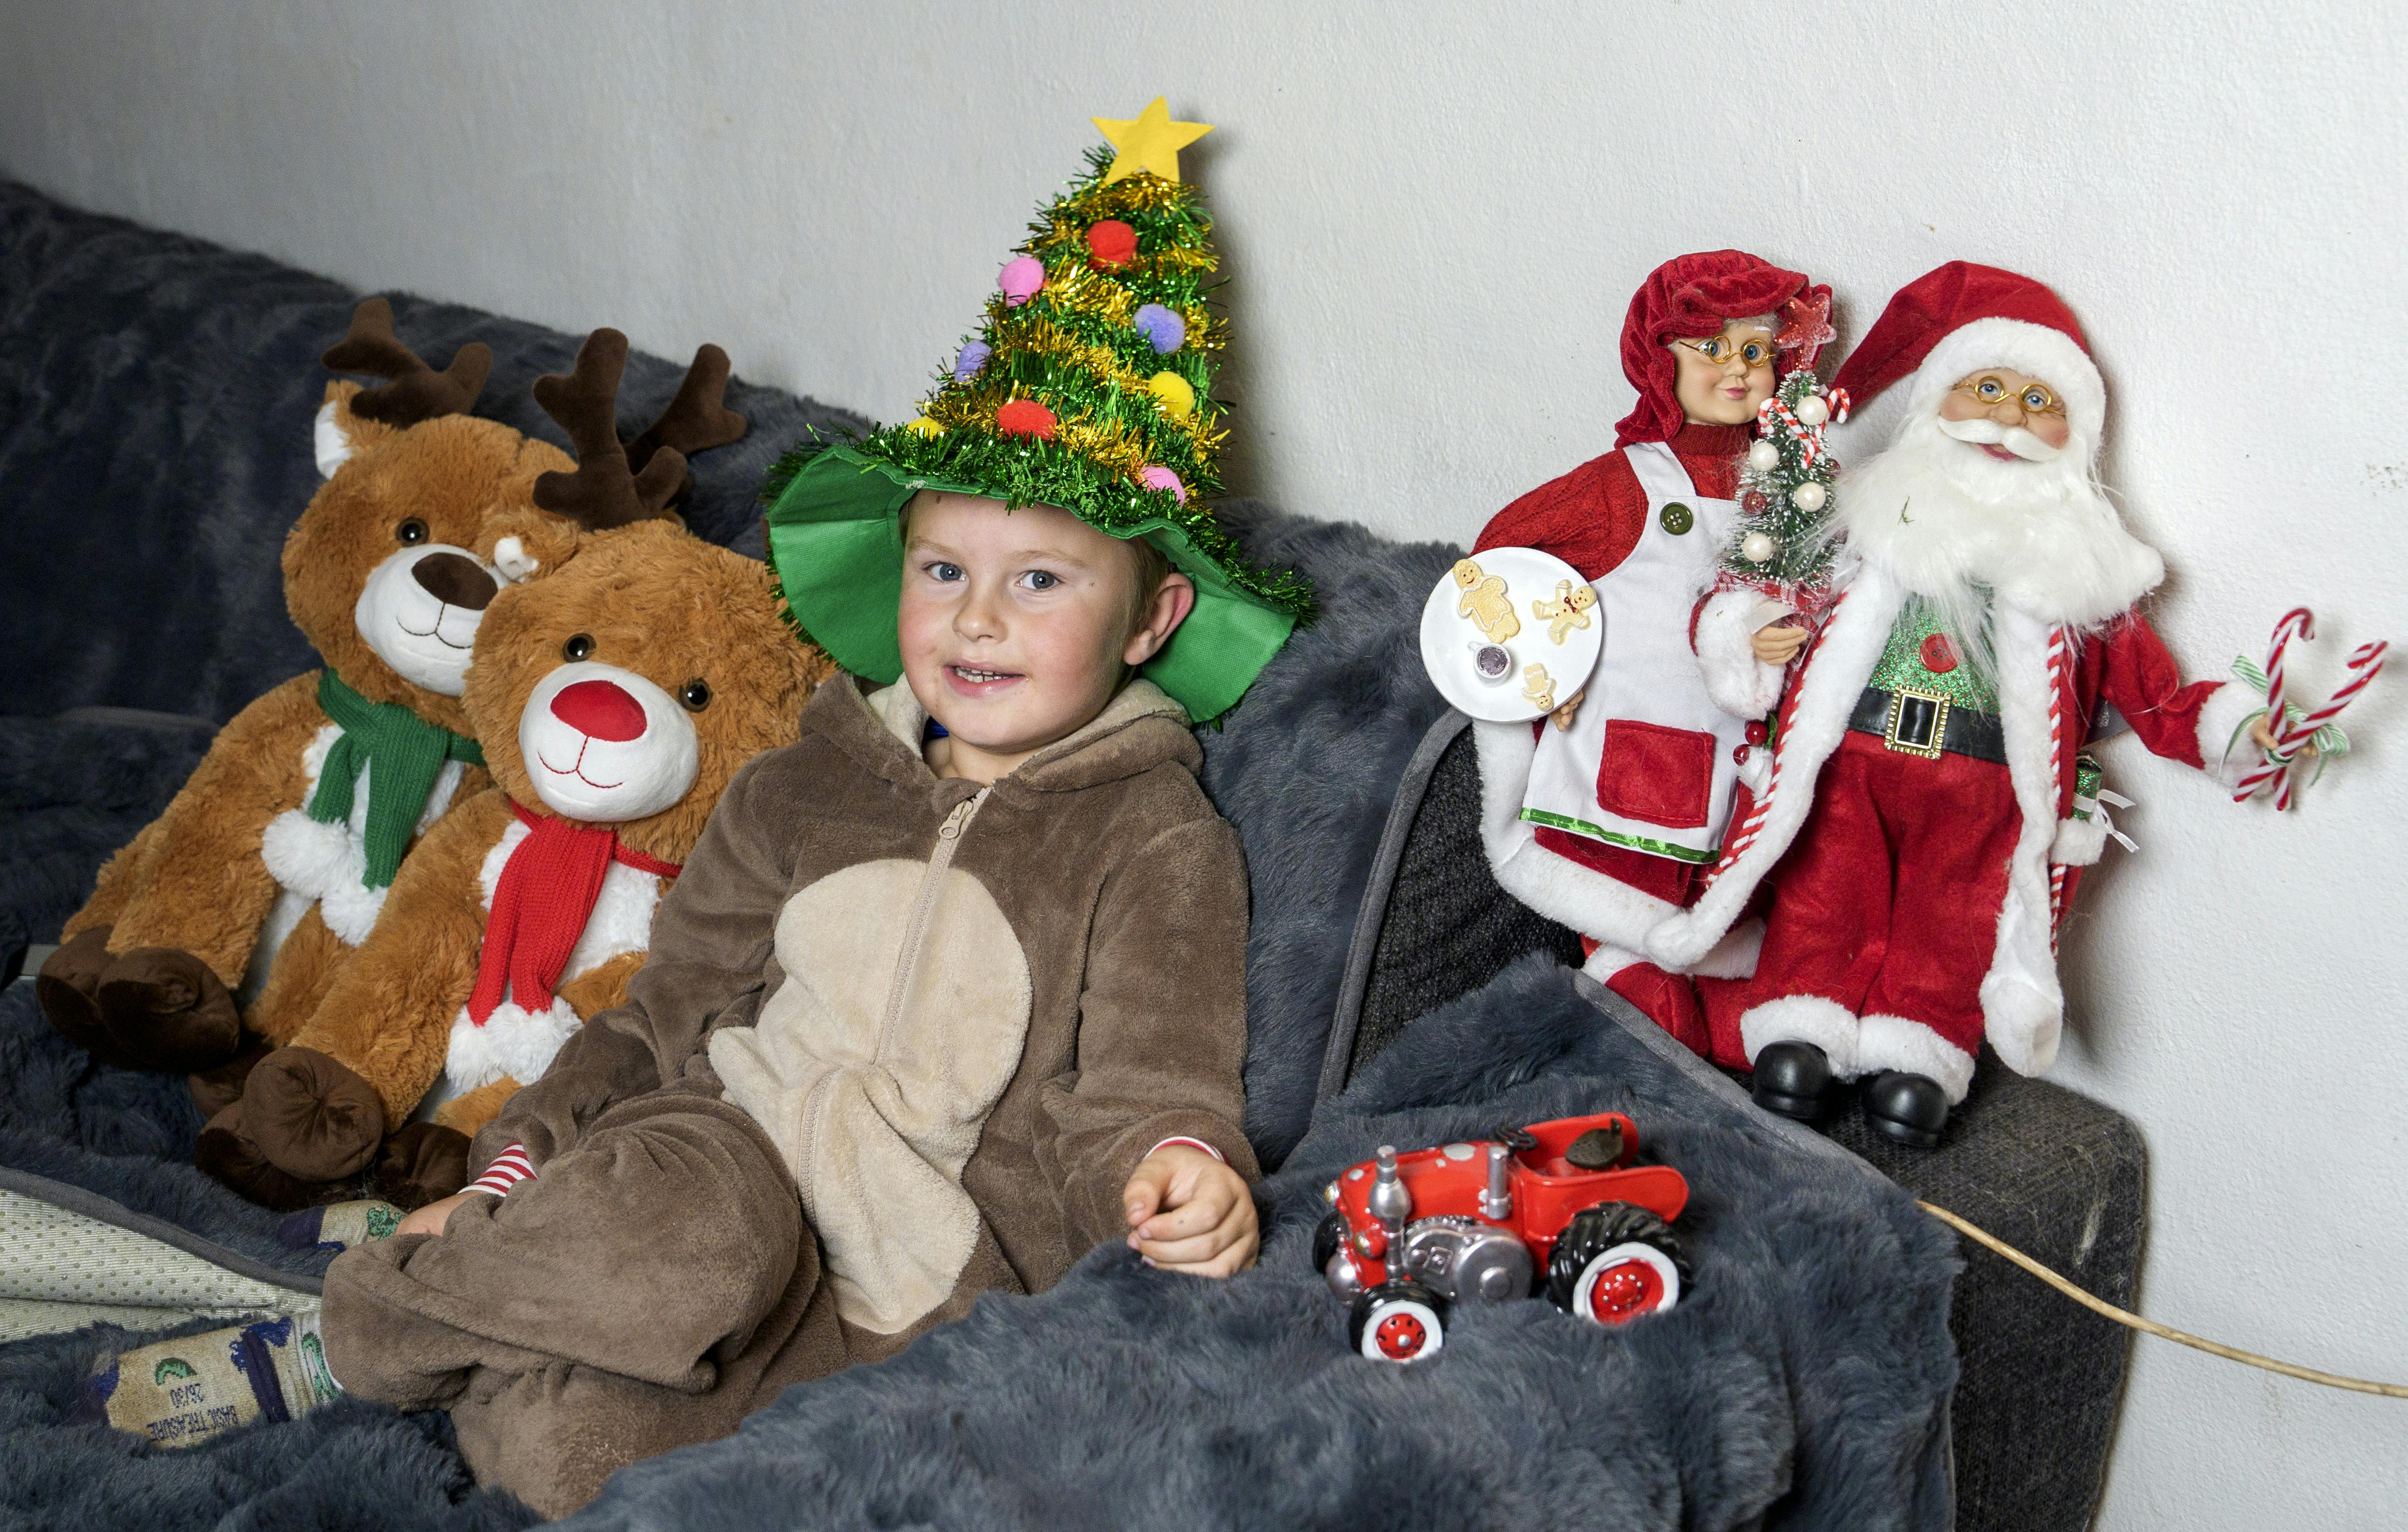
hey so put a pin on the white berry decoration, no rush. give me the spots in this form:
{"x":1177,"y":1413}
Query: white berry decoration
{"x":1757,"y":548}
{"x":1764,"y":458}
{"x":1806,"y":497}
{"x":1811,"y":410}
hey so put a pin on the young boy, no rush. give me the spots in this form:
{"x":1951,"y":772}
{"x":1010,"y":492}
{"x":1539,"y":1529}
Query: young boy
{"x":951,"y":991}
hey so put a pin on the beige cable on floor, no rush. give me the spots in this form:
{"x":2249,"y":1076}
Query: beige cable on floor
{"x":1991,"y":1241}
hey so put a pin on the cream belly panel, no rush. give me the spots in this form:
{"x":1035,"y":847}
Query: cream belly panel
{"x":874,"y":1067}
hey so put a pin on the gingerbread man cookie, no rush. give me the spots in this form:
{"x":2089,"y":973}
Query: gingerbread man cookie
{"x":1568,"y":611}
{"x":1539,"y":687}
{"x":1484,"y":601}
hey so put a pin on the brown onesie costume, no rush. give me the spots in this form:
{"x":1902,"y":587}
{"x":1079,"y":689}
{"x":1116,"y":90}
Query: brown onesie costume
{"x":899,"y":1040}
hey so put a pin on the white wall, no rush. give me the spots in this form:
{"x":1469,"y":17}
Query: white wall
{"x":1433,"y":216}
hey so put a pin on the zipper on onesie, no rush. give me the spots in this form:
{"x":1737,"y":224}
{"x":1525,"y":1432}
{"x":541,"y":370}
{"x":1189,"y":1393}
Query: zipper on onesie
{"x":941,"y":859}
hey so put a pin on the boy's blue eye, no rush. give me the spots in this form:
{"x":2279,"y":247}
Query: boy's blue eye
{"x":1042,"y":580}
{"x":945,"y":571}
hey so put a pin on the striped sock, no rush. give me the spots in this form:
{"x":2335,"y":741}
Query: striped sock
{"x":179,"y":1393}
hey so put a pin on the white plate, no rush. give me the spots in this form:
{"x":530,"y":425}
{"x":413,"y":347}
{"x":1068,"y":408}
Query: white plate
{"x":1510,"y":606}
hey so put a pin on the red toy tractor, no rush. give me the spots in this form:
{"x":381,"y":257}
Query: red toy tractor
{"x":1556,"y":1204}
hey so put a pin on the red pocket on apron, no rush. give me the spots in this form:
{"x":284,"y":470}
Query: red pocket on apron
{"x":1662,"y":776}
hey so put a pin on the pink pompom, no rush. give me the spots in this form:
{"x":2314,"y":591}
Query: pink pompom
{"x":1020,"y":279}
{"x":1156,"y":477}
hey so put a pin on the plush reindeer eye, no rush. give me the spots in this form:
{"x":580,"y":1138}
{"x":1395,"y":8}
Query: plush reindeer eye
{"x":695,"y":694}
{"x":410,"y":533}
{"x":578,"y":646}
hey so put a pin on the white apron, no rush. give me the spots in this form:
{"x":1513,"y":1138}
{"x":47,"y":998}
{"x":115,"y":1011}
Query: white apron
{"x":1647,"y":764}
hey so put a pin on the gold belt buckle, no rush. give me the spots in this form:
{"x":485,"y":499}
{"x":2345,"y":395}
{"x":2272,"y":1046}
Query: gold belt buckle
{"x":1918,"y":722}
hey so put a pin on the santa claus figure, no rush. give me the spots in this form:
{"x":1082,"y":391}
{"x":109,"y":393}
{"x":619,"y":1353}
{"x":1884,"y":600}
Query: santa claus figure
{"x":1605,"y":815}
{"x":1919,"y":836}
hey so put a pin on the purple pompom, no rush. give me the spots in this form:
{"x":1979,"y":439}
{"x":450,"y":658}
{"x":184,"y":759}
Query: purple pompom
{"x":1157,"y":477}
{"x":1020,"y":279}
{"x":1162,"y":327}
{"x":973,"y":358}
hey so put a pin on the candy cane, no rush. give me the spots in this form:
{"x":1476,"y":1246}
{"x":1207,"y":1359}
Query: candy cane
{"x":2365,"y":664}
{"x":2367,"y":661}
{"x":2297,"y":621}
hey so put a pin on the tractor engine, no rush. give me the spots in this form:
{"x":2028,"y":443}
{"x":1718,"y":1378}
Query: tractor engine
{"x":1461,"y":1258}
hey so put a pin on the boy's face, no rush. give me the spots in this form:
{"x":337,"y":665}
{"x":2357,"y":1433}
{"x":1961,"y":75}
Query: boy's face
{"x":1016,"y":626}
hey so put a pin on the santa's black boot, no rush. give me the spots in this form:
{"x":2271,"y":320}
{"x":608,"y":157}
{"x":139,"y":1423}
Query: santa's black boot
{"x":1793,"y":1080}
{"x":1908,"y":1109}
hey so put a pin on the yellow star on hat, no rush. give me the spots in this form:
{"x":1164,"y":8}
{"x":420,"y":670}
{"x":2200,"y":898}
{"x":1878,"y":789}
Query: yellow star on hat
{"x":1148,"y":142}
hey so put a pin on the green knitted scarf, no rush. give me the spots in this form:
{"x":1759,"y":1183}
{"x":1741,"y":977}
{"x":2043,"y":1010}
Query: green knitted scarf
{"x":408,"y":753}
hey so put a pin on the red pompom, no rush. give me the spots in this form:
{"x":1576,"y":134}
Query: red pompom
{"x":1112,"y":243}
{"x":1025,"y":417}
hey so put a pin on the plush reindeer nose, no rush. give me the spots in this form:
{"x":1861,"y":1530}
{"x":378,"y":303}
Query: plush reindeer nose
{"x":455,"y":580}
{"x":600,"y":709}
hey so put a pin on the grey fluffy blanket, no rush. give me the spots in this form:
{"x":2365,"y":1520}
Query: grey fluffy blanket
{"x":1801,"y":1383}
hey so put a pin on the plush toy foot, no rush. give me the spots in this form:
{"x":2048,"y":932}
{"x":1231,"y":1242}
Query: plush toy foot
{"x":312,"y":1116}
{"x":1793,"y":1080}
{"x":165,"y":1009}
{"x":421,"y":1163}
{"x":1908,"y":1109}
{"x":226,"y":1155}
{"x":215,"y":1090}
{"x":68,"y":988}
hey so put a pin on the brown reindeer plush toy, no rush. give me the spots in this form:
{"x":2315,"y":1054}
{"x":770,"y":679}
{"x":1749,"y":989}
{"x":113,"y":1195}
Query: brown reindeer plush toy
{"x":616,"y":696}
{"x":270,"y":865}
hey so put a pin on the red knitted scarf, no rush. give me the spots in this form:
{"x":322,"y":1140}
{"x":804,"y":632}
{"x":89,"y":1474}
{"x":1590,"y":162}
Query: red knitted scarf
{"x":540,"y":907}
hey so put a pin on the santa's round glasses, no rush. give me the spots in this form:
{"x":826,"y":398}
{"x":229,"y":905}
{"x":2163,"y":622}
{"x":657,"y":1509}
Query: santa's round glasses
{"x":1992,"y":390}
{"x":1755,"y":352}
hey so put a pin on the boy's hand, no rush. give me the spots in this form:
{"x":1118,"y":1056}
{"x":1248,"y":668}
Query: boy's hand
{"x":1189,"y":1212}
{"x":431,"y":1217}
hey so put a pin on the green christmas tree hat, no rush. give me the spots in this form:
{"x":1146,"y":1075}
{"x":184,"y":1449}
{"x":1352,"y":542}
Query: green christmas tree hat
{"x":1088,"y":386}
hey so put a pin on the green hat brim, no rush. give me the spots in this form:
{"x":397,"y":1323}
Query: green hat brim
{"x":835,"y":541}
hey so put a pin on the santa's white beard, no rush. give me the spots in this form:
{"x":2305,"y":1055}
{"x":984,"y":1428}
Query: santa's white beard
{"x":1953,"y":522}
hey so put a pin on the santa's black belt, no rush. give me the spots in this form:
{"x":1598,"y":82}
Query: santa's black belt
{"x":1926,"y":723}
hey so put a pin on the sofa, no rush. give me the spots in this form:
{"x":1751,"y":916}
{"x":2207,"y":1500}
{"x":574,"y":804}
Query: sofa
{"x":1837,"y":1361}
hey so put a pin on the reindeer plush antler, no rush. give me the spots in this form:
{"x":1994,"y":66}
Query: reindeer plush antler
{"x":615,"y":484}
{"x":696,"y":420}
{"x":416,"y":392}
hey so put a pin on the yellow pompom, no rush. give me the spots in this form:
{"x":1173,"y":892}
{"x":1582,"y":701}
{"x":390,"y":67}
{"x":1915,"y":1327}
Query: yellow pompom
{"x":1176,"y":394}
{"x":923,"y":425}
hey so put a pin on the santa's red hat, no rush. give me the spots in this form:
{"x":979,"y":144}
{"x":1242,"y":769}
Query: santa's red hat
{"x":1689,"y":297}
{"x":1961,"y":318}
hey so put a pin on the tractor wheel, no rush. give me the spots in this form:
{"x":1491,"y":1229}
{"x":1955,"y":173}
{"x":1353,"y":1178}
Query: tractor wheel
{"x":1398,"y":1322}
{"x":1615,"y":1262}
{"x":1327,"y":1236}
